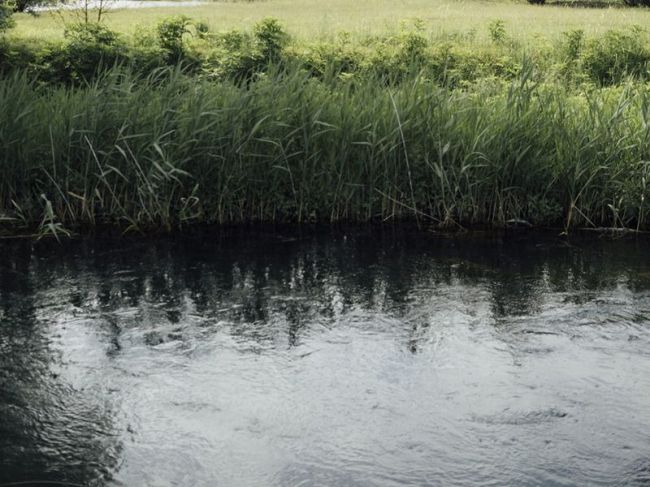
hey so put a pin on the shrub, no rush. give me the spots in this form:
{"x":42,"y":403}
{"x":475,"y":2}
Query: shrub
{"x":497,"y":30}
{"x":616,"y":55}
{"x":25,"y":5}
{"x":574,"y":42}
{"x":566,"y":58}
{"x":6,"y":20}
{"x":87,"y":49}
{"x":170,"y":36}
{"x":146,"y":53}
{"x":396,"y":57}
{"x":239,"y":56}
{"x":91,"y":47}
{"x":271,"y":38}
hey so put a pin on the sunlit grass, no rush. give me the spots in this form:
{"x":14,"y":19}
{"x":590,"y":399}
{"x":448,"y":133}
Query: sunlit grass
{"x":317,"y":18}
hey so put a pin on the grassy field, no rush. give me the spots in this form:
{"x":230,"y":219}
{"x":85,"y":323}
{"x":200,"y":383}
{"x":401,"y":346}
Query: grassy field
{"x":317,"y":18}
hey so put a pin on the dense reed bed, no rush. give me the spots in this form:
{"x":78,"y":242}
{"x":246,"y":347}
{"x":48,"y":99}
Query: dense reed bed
{"x":169,"y":150}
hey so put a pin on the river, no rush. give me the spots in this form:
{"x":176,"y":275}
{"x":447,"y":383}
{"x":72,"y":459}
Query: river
{"x":363,"y":356}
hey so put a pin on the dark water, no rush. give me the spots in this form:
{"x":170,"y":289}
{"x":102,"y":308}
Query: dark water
{"x":368,"y":357}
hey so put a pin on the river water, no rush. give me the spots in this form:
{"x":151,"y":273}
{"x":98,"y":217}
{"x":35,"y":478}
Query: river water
{"x":349,"y":357}
{"x":116,"y":4}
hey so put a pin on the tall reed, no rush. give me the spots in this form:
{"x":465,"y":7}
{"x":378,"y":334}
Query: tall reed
{"x":168,"y":150}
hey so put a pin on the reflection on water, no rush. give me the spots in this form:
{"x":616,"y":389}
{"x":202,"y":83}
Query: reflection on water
{"x":366,"y":357}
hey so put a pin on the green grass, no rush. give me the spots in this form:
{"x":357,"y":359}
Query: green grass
{"x":170,"y":150}
{"x":442,"y":121}
{"x":309,"y":19}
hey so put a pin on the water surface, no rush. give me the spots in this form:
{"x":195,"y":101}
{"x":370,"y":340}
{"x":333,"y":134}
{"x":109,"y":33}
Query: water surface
{"x":117,"y":4}
{"x":360,"y":357}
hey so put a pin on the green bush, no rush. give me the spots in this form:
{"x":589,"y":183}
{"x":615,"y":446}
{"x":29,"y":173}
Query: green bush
{"x":87,"y":50}
{"x":145,"y":51}
{"x":240,"y":56}
{"x":497,"y":30}
{"x":455,"y":62}
{"x":329,"y":59}
{"x":170,"y":36}
{"x":616,"y":55}
{"x":271,"y":38}
{"x":573,"y":44}
{"x":6,"y":20}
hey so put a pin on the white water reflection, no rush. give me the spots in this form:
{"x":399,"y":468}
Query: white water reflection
{"x":117,"y":4}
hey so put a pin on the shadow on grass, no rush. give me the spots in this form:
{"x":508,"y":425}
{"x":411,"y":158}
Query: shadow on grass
{"x":595,"y":4}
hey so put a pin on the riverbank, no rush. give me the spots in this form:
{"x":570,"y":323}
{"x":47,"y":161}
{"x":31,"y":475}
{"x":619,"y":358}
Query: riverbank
{"x":171,"y":150}
{"x":186,"y":126}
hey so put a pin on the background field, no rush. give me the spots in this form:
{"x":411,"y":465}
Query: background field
{"x":315,"y":18}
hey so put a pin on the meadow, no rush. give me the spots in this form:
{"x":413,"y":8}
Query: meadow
{"x":309,"y":19}
{"x":468,"y":114}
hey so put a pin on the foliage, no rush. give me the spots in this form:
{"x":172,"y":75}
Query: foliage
{"x":611,"y":58}
{"x":273,"y":129}
{"x":240,"y":55}
{"x":169,"y":149}
{"x":88,"y":49}
{"x":6,"y":19}
{"x":26,"y":5}
{"x":170,"y":36}
{"x":574,"y":43}
{"x":270,"y":38}
{"x":497,"y":31}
